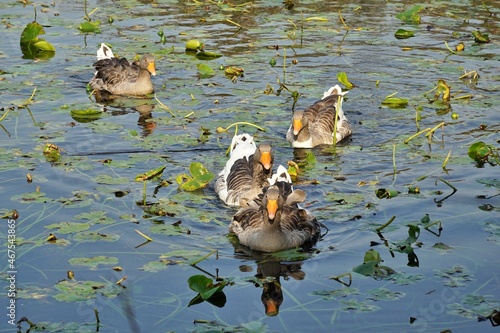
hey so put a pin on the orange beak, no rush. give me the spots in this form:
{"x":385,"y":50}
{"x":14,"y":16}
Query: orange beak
{"x":266,"y":160}
{"x":152,"y":68}
{"x":271,"y":308}
{"x":297,"y":126}
{"x":272,"y":208}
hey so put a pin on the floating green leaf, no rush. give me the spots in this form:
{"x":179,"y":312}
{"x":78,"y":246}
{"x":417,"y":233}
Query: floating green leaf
{"x":34,"y":47}
{"x":371,"y":266}
{"x":150,"y":174}
{"x":194,"y":45}
{"x":93,"y":262}
{"x":410,"y":15}
{"x":68,"y":227}
{"x":383,"y":193}
{"x":480,"y":37}
{"x":384,"y":294}
{"x":205,"y":70}
{"x":395,"y":102}
{"x":82,"y":291}
{"x":199,"y":178}
{"x":206,"y":55}
{"x":342,"y":78}
{"x":403,"y":34}
{"x":92,"y":236}
{"x":480,"y":152}
{"x":88,"y":26}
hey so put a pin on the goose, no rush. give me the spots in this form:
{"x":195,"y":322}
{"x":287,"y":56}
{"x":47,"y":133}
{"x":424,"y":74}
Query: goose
{"x":315,"y":125}
{"x":246,"y":172}
{"x":276,"y":223}
{"x":117,"y":76}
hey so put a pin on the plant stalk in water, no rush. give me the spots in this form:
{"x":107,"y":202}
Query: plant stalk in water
{"x":385,"y":224}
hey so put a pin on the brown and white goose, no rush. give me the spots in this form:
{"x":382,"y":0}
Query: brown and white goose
{"x":246,"y":172}
{"x":120,"y":77}
{"x":276,"y":223}
{"x":315,"y":125}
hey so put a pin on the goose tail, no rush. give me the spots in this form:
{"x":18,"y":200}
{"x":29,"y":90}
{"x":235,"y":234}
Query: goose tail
{"x":104,"y":52}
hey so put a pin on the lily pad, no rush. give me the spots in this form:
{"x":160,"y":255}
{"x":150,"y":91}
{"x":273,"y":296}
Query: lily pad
{"x":410,"y":15}
{"x":199,"y":178}
{"x":34,"y":47}
{"x":150,"y":174}
{"x":82,"y":291}
{"x":403,"y":34}
{"x":68,"y":227}
{"x":93,"y":262}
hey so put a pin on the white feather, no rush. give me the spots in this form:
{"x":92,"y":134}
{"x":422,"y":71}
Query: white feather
{"x":104,"y":52}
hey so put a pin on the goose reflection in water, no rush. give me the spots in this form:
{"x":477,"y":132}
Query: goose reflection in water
{"x":270,"y":272}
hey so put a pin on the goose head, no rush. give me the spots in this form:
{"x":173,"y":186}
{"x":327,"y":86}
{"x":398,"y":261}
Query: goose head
{"x":272,"y":204}
{"x":299,"y":121}
{"x":264,"y":155}
{"x":147,"y":62}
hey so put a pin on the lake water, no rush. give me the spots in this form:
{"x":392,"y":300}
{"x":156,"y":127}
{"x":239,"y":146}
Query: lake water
{"x":90,"y":201}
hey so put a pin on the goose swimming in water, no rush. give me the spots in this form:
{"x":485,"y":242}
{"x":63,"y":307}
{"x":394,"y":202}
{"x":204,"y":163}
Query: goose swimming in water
{"x":246,"y":172}
{"x":276,"y":223}
{"x":117,"y":76}
{"x":315,"y":125}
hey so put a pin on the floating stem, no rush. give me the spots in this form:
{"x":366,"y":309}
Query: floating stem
{"x":164,"y":106}
{"x":379,"y":229}
{"x":446,"y":160}
{"x":416,"y":134}
{"x":144,"y":235}
{"x":203,"y":258}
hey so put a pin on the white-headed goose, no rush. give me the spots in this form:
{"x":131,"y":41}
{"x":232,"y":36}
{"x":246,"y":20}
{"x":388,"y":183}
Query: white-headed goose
{"x":315,"y":125}
{"x":246,"y":172}
{"x":276,"y":223}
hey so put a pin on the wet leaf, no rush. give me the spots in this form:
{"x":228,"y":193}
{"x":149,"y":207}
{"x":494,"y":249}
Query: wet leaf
{"x":31,"y":32}
{"x":183,"y":256}
{"x":93,"y":27}
{"x":384,"y":294}
{"x":383,"y":193}
{"x":395,"y":102}
{"x":199,"y":178}
{"x":403,"y":34}
{"x":93,"y":262}
{"x":442,"y":90}
{"x":93,"y":236}
{"x":205,"y":70}
{"x":150,"y":174}
{"x":337,"y":294}
{"x":358,"y":306}
{"x":206,"y":55}
{"x":110,"y":180}
{"x":68,"y":227}
{"x":410,"y":15}
{"x":342,"y":78}
{"x":194,"y":45}
{"x":70,"y":291}
{"x":480,"y":37}
{"x":205,"y":286}
{"x":480,"y":152}
{"x":167,"y":229}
